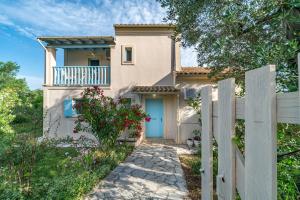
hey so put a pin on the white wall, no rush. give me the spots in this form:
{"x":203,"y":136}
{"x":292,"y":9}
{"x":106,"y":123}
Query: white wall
{"x":154,"y":65}
{"x":77,"y":57}
{"x":187,"y":115}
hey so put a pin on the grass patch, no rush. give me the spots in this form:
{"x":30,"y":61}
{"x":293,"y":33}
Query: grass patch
{"x":190,"y":165}
{"x":41,"y":171}
{"x":59,"y":173}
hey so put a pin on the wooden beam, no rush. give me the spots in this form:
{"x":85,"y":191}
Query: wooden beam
{"x":287,"y":105}
{"x":67,"y":41}
{"x":80,"y":46}
{"x":240,"y":173}
{"x":206,"y":144}
{"x":260,"y":134}
{"x":226,"y":187}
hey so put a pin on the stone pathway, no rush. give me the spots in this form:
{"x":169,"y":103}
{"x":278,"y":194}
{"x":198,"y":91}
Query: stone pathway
{"x":153,"y":171}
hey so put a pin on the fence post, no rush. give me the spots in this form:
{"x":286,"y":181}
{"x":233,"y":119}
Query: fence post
{"x":226,"y":149}
{"x":206,"y":144}
{"x":260,"y":134}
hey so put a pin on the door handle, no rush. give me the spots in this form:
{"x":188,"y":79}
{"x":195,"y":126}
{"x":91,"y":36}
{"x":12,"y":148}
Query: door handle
{"x":161,"y":119}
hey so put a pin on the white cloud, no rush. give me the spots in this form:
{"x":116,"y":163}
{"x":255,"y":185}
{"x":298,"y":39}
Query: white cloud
{"x":49,"y":17}
{"x":34,"y":82}
{"x":5,"y":21}
{"x":69,"y":18}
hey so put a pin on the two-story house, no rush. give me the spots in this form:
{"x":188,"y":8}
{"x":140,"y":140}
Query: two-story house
{"x":141,"y":62}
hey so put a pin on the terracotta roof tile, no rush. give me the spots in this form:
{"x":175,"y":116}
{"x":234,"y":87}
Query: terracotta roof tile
{"x":144,"y":25}
{"x":155,"y":89}
{"x":193,"y":71}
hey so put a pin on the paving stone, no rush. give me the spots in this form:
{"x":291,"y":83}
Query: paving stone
{"x":150,"y":172}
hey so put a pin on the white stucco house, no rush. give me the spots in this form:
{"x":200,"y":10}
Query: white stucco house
{"x":141,"y":62}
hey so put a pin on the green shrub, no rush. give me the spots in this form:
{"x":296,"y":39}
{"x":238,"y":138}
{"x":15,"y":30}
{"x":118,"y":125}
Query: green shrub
{"x":8,"y":99}
{"x":105,"y":117}
{"x":55,"y":173}
{"x":19,"y":119}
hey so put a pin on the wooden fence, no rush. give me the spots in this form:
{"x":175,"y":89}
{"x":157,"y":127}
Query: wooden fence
{"x":254,"y":174}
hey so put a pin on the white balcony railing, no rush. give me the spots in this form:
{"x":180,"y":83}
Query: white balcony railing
{"x":81,"y":75}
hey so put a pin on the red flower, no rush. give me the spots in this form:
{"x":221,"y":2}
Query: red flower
{"x":147,"y":119}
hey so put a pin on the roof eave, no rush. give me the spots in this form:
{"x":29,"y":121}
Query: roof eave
{"x":156,"y":92}
{"x":144,"y":26}
{"x":78,"y":41}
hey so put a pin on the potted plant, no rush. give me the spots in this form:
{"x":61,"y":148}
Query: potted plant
{"x":197,"y":138}
{"x":190,"y":142}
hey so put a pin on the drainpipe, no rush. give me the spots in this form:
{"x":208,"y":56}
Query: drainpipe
{"x":178,"y":118}
{"x":39,"y":41}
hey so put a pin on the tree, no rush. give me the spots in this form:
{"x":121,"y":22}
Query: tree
{"x":106,"y":117}
{"x":8,"y":73}
{"x":8,"y":99}
{"x":12,"y":94}
{"x":240,"y":34}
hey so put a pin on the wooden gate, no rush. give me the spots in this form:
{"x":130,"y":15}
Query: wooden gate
{"x":254,"y":175}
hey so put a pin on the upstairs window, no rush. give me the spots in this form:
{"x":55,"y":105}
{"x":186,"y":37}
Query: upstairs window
{"x":128,"y":52}
{"x":127,"y":55}
{"x":94,"y":62}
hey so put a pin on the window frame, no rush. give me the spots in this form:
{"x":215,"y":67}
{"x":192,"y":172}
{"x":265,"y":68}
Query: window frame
{"x":128,"y":50}
{"x":124,"y":55}
{"x":93,"y":59}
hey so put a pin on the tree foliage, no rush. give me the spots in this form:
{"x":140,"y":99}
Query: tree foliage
{"x":106,"y":117}
{"x":8,"y":99}
{"x":8,"y":77}
{"x":241,"y":35}
{"x":11,"y":93}
{"x":17,"y":103}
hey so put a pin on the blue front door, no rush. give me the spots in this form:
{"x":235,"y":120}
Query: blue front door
{"x":155,"y":108}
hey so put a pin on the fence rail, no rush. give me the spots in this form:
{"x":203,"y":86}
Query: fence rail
{"x":81,"y":75}
{"x":254,"y":174}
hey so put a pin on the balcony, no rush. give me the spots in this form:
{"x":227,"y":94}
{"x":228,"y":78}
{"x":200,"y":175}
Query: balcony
{"x":81,"y":75}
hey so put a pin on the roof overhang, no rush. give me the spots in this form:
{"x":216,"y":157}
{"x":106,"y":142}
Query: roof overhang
{"x":144,"y":26}
{"x":193,"y":71}
{"x":144,"y":29}
{"x":78,"y":42}
{"x":155,"y":90}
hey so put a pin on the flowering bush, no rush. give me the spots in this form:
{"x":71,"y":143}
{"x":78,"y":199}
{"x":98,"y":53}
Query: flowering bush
{"x":105,"y":117}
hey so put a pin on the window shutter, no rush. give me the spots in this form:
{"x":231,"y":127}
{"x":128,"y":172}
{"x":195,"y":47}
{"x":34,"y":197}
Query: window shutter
{"x":69,"y":111}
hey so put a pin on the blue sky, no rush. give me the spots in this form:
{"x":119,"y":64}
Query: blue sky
{"x":22,"y":20}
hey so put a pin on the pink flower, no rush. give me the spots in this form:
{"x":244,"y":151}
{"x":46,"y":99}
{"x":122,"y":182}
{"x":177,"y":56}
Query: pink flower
{"x":147,"y":119}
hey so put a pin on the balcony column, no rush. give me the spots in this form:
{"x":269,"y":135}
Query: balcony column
{"x":50,"y":62}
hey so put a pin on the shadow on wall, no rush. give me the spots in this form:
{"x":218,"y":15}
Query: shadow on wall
{"x":52,"y":122}
{"x":166,"y":80}
{"x":189,"y":118}
{"x":55,"y":124}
